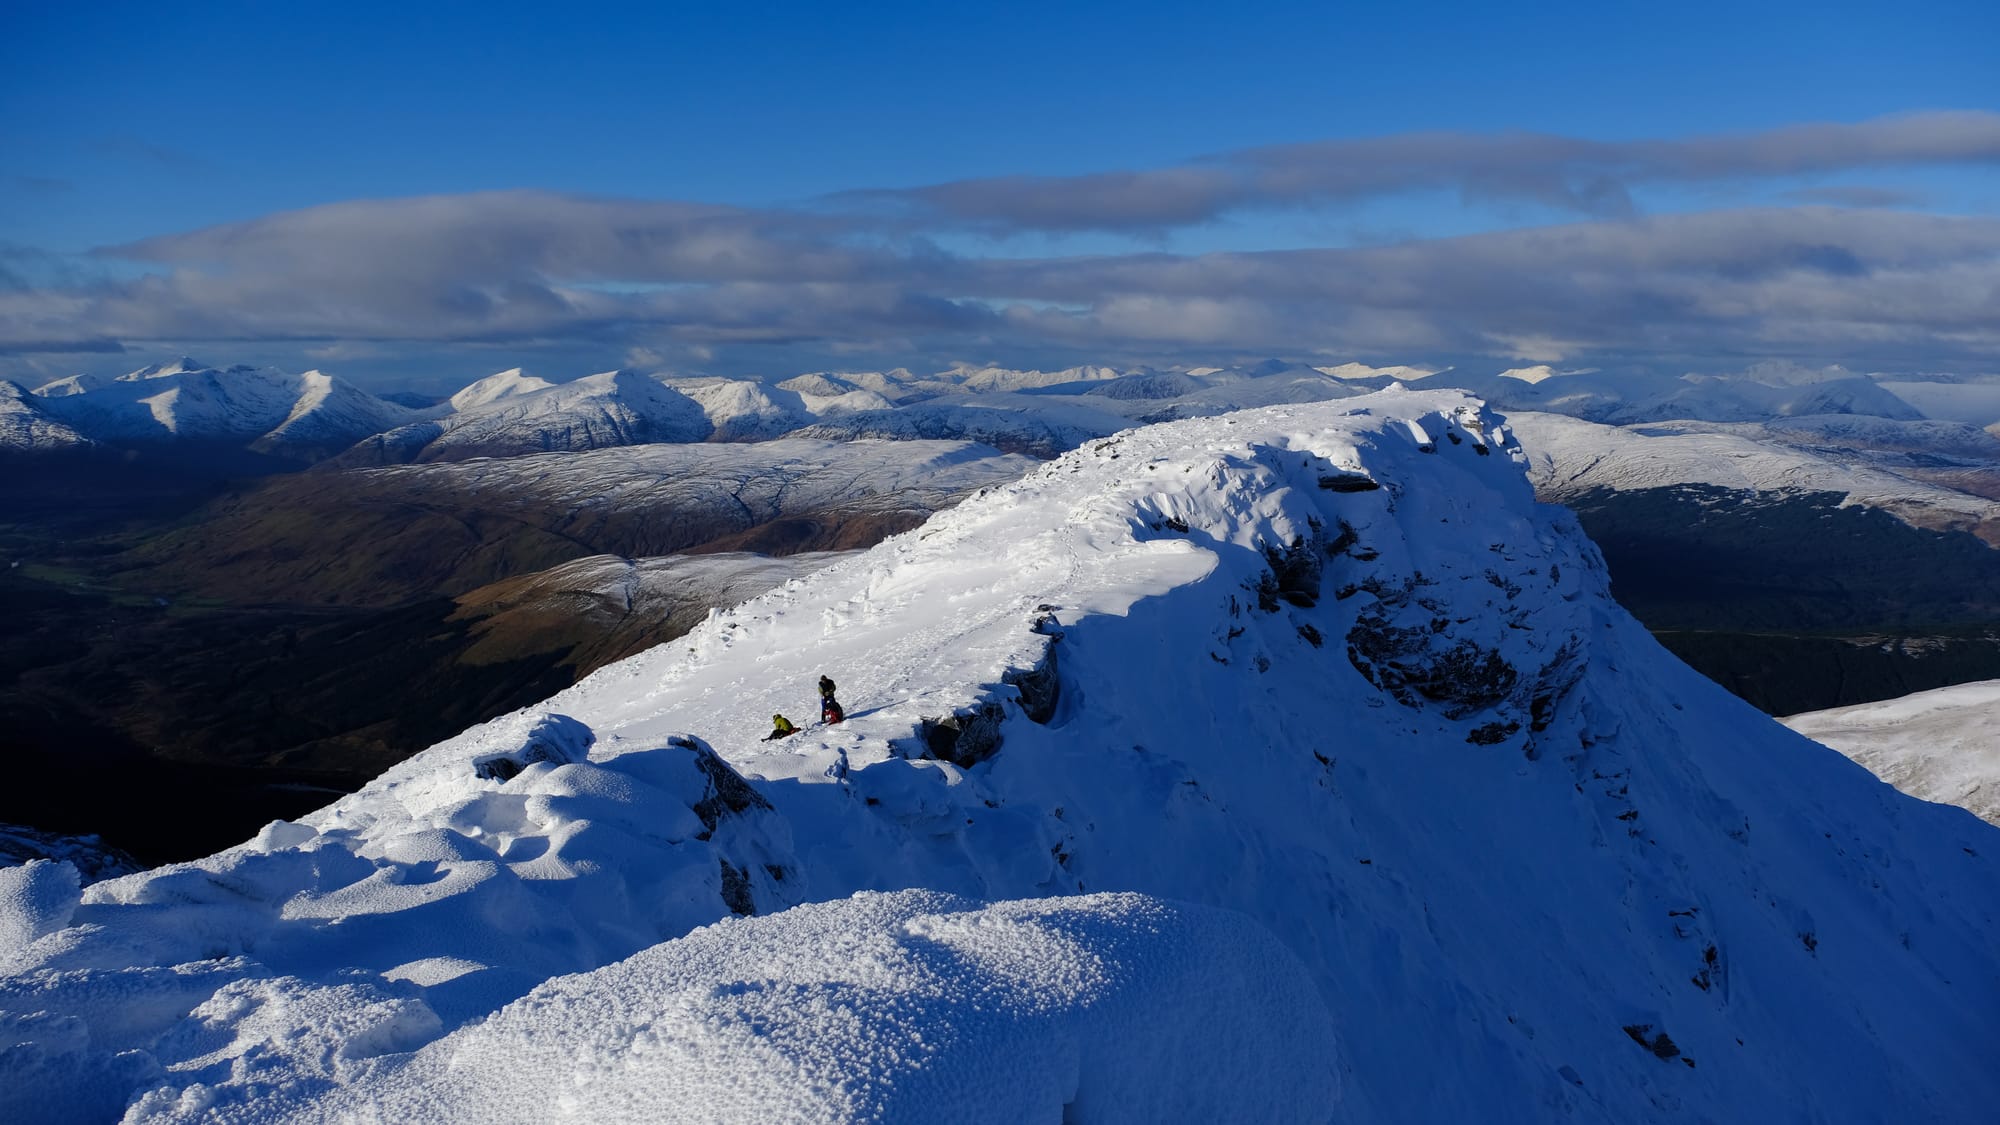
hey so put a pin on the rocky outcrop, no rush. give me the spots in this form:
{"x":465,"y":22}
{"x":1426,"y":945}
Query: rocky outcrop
{"x":971,"y":734}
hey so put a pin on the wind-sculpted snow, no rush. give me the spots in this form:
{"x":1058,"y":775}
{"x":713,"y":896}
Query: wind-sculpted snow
{"x":1329,"y":666}
{"x":916,"y":1007}
{"x":1941,"y":745}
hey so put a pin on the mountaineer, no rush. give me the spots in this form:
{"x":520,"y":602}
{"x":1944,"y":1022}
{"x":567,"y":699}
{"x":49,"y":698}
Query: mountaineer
{"x":829,"y":708}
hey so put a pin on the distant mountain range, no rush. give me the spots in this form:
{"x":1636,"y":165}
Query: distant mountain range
{"x":316,"y":416}
{"x":297,"y":417}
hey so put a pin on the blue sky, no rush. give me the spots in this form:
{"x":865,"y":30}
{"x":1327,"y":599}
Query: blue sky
{"x":821,"y":129}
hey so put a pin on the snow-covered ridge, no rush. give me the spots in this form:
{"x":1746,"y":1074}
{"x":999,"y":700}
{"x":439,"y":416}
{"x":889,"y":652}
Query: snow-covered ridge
{"x":1328,"y":665}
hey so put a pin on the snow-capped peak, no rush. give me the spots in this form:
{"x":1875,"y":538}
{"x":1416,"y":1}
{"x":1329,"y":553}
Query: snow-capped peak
{"x":510,"y":383}
{"x":77,"y":384}
{"x":182,"y":366}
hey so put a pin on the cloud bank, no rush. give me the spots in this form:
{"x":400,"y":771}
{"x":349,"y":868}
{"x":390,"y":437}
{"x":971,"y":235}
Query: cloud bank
{"x":1860,"y":284}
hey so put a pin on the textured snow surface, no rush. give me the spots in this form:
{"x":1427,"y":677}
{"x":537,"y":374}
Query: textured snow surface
{"x":1329,"y":666}
{"x":914,"y":1006}
{"x":1941,"y":745}
{"x":36,"y":898}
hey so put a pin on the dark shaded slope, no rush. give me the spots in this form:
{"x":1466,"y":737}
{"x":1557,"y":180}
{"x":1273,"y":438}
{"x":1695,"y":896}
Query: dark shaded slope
{"x":1794,"y":602}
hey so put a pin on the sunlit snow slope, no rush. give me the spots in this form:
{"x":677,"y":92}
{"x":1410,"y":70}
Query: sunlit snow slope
{"x":1329,"y":666}
{"x":1941,"y":745}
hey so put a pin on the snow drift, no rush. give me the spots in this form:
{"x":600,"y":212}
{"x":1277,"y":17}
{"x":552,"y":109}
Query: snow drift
{"x":1327,"y":666}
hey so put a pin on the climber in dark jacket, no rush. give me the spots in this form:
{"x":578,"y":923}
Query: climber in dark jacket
{"x":829,"y":708}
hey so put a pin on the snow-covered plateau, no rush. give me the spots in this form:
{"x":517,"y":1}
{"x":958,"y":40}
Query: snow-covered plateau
{"x":1570,"y":457}
{"x":1293,"y":764}
{"x":1941,"y":745}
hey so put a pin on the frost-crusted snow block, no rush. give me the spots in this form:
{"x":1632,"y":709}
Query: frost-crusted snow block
{"x":728,"y":793}
{"x":554,"y":738}
{"x":37,"y":898}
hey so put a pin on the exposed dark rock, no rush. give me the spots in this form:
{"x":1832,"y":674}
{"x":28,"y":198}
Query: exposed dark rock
{"x":1348,"y":482}
{"x":728,"y":794}
{"x":1040,"y":687}
{"x":736,"y":888}
{"x":1662,"y":1047}
{"x":1343,"y":542}
{"x":1417,"y":664}
{"x":1298,"y":569}
{"x":1405,"y":644}
{"x":966,"y":737}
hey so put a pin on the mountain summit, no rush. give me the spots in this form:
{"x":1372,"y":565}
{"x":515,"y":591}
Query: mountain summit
{"x":1296,"y":754}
